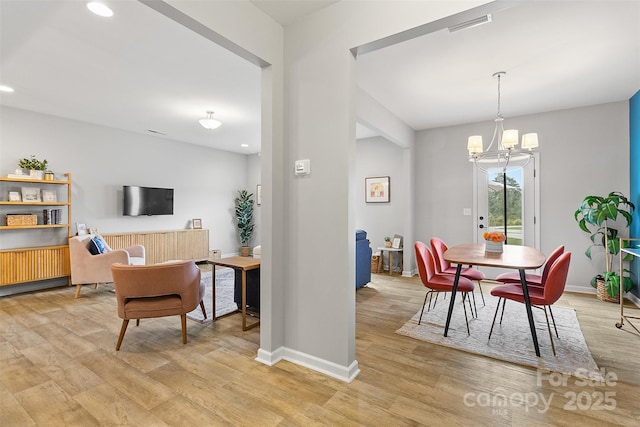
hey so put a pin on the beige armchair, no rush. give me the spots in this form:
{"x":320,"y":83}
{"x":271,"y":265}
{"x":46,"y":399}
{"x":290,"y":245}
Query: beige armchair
{"x":93,"y":269}
{"x":158,"y":290}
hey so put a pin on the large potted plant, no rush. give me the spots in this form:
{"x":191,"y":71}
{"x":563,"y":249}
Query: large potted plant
{"x":244,"y":219}
{"x":598,"y":216}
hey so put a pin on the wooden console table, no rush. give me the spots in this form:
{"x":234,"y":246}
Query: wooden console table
{"x":161,"y":246}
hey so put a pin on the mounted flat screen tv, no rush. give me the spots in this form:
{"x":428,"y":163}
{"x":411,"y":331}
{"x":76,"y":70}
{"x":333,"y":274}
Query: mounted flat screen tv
{"x":146,"y":201}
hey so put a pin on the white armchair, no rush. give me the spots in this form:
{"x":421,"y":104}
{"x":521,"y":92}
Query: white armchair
{"x":93,"y":269}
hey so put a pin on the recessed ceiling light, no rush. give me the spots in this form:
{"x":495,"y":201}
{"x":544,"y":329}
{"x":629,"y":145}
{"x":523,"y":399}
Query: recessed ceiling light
{"x":244,"y":145}
{"x":100,"y":9}
{"x":4,"y":88}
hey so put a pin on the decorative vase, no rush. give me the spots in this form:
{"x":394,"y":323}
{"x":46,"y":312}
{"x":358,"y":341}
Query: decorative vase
{"x":493,"y":247}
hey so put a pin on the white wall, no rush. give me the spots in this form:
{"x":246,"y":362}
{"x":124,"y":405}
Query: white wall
{"x":378,"y":157}
{"x":574,"y":144}
{"x":102,"y":160}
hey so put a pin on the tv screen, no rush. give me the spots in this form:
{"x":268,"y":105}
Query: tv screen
{"x":146,"y":201}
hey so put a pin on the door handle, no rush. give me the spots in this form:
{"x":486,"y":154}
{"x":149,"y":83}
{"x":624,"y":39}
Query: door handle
{"x":481,"y":226}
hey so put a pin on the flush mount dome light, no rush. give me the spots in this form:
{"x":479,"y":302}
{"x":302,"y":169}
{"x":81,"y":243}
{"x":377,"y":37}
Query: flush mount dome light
{"x":210,"y":123}
{"x":100,"y":9}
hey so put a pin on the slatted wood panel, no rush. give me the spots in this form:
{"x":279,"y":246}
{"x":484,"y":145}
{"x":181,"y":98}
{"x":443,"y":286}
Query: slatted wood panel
{"x":32,"y":264}
{"x":163,"y":246}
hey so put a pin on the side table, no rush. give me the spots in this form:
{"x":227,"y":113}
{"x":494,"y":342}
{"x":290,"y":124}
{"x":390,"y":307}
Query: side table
{"x":391,"y":252}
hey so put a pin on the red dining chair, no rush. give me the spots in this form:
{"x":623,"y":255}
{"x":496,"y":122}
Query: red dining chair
{"x":540,"y":297}
{"x":443,"y":266}
{"x":439,"y":282}
{"x":533,"y":280}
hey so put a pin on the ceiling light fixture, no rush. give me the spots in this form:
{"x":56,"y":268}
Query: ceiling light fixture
{"x":210,"y":123}
{"x":4,"y":88}
{"x":470,"y":23}
{"x":504,"y":153}
{"x":100,"y":9}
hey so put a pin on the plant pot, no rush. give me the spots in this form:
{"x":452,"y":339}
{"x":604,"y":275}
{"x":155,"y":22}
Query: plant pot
{"x":602,"y":293}
{"x":245,"y":250}
{"x":387,"y":244}
{"x":36,"y":174}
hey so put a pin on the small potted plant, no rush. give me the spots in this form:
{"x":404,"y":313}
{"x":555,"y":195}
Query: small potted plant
{"x":597,"y":216}
{"x":36,"y":167}
{"x":387,"y":242}
{"x":244,"y":219}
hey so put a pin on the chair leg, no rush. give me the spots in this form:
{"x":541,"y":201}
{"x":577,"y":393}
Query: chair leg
{"x":123,"y":329}
{"x":553,"y":347}
{"x":494,"y":318}
{"x":473,"y":295}
{"x":425,"y":301}
{"x":504,"y":302}
{"x":204,"y":311}
{"x":183,"y":319}
{"x":78,"y":286}
{"x":554,"y":322}
{"x":481,"y":293}
{"x":137,"y":322}
{"x":466,"y":319}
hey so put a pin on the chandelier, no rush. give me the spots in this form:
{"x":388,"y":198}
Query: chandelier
{"x":502,"y":152}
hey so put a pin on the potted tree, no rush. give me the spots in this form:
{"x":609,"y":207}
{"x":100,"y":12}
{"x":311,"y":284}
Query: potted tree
{"x":597,"y":216}
{"x":36,"y":167}
{"x":244,"y":219}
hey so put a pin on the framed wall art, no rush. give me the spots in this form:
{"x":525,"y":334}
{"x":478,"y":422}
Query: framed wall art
{"x":197,"y":223}
{"x":377,"y":189}
{"x":30,"y":194}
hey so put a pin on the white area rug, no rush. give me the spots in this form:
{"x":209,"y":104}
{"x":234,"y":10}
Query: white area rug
{"x":510,"y":341}
{"x":224,"y":294}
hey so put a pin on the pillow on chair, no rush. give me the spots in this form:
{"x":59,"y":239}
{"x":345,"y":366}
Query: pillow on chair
{"x":97,"y":245}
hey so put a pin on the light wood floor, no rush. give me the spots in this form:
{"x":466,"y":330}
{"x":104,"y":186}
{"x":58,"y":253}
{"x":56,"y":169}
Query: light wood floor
{"x":59,"y":367}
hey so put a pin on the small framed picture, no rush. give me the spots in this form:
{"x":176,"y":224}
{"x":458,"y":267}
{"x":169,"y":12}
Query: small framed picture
{"x":259,"y":195}
{"x":49,"y":196}
{"x":14,"y":196}
{"x":82,"y":228}
{"x":197,"y":223}
{"x":93,"y":231}
{"x":30,"y":194}
{"x":396,"y":243}
{"x":377,"y":189}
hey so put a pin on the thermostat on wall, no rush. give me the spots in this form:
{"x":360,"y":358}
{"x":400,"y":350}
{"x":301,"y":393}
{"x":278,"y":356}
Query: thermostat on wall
{"x":302,"y":167}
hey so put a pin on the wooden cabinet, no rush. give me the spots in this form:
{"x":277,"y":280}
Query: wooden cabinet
{"x":20,"y":265}
{"x":167,"y":245}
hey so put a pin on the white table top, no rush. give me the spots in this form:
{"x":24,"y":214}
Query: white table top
{"x":384,"y":248}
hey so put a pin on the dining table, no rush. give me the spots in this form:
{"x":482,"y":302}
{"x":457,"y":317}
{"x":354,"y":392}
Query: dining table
{"x":516,"y":257}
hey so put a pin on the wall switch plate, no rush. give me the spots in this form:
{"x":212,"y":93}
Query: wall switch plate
{"x":466,"y":211}
{"x":302,"y":167}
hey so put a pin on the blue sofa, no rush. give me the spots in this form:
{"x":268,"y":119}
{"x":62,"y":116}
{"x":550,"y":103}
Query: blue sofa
{"x":363,"y":259}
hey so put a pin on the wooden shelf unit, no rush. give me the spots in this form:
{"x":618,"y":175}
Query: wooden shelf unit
{"x":21,"y":265}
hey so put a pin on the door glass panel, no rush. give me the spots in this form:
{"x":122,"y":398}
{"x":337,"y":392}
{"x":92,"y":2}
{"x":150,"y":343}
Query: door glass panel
{"x":511,"y":224}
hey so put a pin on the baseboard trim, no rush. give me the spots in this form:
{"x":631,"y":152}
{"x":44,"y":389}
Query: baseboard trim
{"x":342,"y":373}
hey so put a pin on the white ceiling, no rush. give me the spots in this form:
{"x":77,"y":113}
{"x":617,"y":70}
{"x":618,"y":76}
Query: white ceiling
{"x":139,"y":70}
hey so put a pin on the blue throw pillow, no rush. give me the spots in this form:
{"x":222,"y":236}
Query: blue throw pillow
{"x":98,"y":246}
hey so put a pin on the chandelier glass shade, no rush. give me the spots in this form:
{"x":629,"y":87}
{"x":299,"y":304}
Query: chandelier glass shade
{"x":502,"y":152}
{"x":209,"y":122}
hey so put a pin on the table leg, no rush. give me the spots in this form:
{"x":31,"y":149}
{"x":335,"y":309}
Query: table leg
{"x":213,"y":292}
{"x":244,"y":304}
{"x":527,"y":301}
{"x":390,"y":263}
{"x":453,"y":298}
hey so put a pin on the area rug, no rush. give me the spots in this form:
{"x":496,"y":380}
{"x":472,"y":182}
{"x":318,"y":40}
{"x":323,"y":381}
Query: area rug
{"x":510,"y":341}
{"x":225,"y":279}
